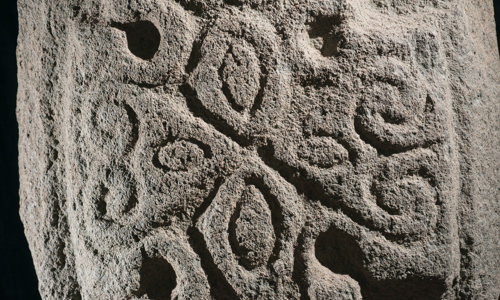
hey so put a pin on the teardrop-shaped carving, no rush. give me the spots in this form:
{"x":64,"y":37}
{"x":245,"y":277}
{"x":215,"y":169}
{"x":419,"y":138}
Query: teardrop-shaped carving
{"x":240,"y":76}
{"x":251,"y":229}
{"x":143,"y":38}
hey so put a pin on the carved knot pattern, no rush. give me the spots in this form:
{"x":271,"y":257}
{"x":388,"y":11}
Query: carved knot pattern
{"x":360,"y":148}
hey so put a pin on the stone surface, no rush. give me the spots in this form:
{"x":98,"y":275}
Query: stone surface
{"x":255,"y":149}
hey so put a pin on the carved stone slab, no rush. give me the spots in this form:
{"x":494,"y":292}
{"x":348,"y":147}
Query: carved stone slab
{"x":256,"y":149}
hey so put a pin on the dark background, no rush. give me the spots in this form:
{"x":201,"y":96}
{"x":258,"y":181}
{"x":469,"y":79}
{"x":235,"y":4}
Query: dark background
{"x":17,"y":275}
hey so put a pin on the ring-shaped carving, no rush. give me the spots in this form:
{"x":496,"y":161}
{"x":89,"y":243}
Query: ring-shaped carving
{"x":239,"y":78}
{"x":227,"y":225}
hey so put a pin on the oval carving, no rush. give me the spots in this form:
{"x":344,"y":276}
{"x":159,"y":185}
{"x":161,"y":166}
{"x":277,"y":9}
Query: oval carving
{"x":240,"y":76}
{"x":251,"y":229}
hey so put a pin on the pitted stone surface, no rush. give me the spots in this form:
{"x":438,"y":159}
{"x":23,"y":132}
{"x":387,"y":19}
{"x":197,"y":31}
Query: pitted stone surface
{"x":322,"y":149}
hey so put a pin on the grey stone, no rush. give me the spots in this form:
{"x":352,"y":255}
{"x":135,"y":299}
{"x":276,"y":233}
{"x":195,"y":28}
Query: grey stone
{"x":255,"y":149}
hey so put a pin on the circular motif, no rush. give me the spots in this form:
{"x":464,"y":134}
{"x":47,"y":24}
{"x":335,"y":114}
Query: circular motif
{"x":398,"y":199}
{"x":398,"y":113}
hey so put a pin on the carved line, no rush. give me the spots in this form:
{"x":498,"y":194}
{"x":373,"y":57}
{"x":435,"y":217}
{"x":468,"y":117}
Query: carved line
{"x":207,"y":150}
{"x":145,"y":85}
{"x":196,"y":7}
{"x":317,"y":192}
{"x":195,"y":56}
{"x":101,"y":205}
{"x":225,"y":87}
{"x":386,"y":148}
{"x":220,"y":289}
{"x":299,"y":267}
{"x":257,"y":103}
{"x":383,"y":148}
{"x":353,"y":155}
{"x":132,"y":200}
{"x":133,"y":119}
{"x":277,"y":217}
{"x":235,"y":246}
{"x":259,"y":98}
{"x":323,"y":80}
{"x":198,"y":110}
{"x":378,"y":195}
{"x":312,"y":190}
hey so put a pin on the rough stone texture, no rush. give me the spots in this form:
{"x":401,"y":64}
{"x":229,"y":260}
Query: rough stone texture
{"x":256,"y":149}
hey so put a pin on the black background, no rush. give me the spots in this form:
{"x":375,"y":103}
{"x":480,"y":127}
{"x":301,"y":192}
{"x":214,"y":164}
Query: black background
{"x":17,"y":275}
